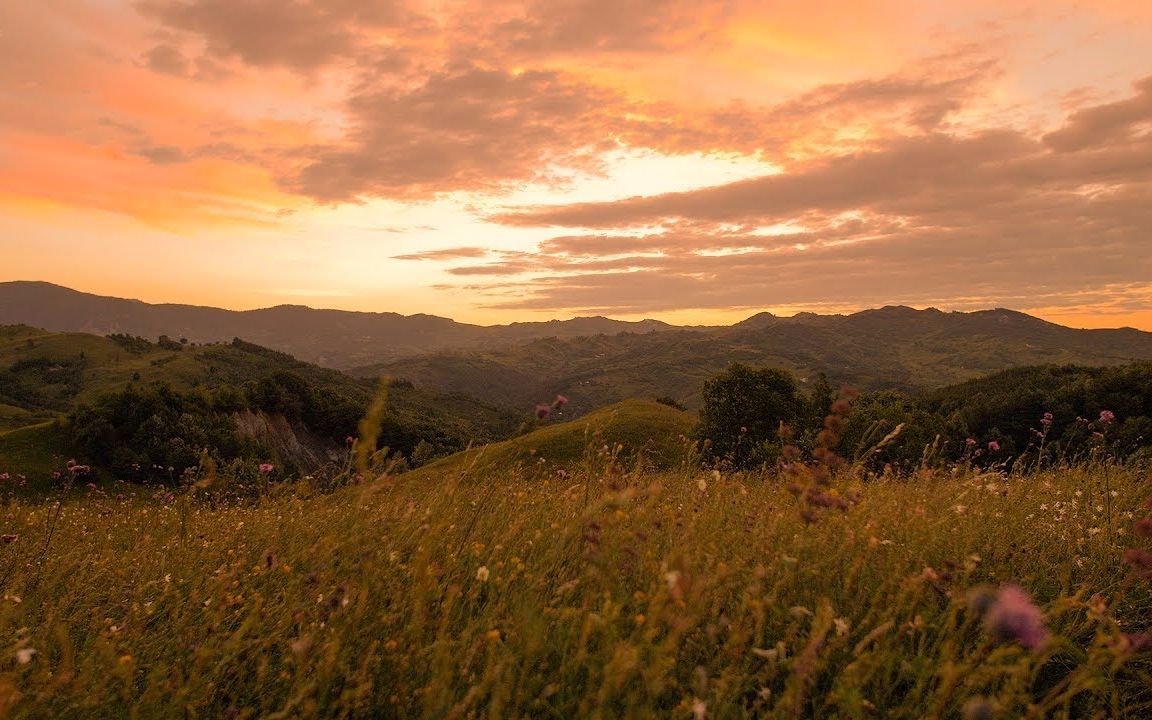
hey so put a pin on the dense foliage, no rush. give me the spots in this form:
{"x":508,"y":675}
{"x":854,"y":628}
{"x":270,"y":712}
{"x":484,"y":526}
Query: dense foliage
{"x":1030,"y":415}
{"x":743,"y":409}
{"x":157,"y":433}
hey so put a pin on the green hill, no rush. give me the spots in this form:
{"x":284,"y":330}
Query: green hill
{"x":891,"y":348}
{"x":45,"y":377}
{"x":624,"y":433}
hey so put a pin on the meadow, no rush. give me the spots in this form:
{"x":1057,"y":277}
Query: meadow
{"x":607,"y":590}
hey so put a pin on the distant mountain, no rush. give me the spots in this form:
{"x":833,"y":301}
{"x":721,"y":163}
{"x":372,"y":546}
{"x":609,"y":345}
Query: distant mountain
{"x":599,"y":361}
{"x":332,"y":338}
{"x":891,"y":347}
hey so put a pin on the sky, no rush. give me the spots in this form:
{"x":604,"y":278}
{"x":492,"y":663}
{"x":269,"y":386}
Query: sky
{"x":695,"y":161}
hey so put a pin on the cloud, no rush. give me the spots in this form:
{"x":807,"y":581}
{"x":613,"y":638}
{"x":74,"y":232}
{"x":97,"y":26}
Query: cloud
{"x":167,"y":59}
{"x":465,"y":129}
{"x":1107,"y":124}
{"x":301,"y":35}
{"x":999,"y":214}
{"x":161,"y":154}
{"x":445,"y":254}
{"x":565,"y":26}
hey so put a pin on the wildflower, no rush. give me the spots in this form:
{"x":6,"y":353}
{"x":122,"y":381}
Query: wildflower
{"x":993,"y":446}
{"x":561,"y":400}
{"x":1046,"y":421}
{"x":4,"y":476}
{"x":1107,"y":416}
{"x":970,"y":442}
{"x":1012,"y":616}
{"x":543,"y":411}
{"x":25,"y":655}
{"x":349,"y":441}
{"x":699,"y":709}
{"x":482,"y":573}
{"x":1140,"y":560}
{"x":266,"y":468}
{"x":978,"y":708}
{"x":842,"y":626}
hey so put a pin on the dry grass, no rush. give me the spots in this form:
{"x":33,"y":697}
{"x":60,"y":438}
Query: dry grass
{"x":677,"y":594}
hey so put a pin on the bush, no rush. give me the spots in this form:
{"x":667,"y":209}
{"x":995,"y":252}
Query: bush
{"x":743,"y":409}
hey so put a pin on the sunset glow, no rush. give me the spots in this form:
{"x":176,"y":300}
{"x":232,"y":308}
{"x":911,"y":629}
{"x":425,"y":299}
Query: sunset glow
{"x":694,"y":161}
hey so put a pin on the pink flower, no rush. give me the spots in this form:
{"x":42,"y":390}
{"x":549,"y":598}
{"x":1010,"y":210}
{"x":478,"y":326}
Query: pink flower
{"x":993,"y":446}
{"x":561,"y":400}
{"x":1013,"y":617}
{"x":4,"y":476}
{"x":1047,"y":419}
{"x":349,"y":441}
{"x":543,"y":411}
{"x":266,"y":468}
{"x":970,"y":442}
{"x":1107,"y":416}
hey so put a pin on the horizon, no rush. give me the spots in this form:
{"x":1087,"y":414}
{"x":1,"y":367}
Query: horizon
{"x":692,"y":162}
{"x":750,"y":312}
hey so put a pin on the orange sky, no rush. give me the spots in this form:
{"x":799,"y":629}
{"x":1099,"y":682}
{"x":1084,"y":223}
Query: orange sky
{"x":690,"y":160}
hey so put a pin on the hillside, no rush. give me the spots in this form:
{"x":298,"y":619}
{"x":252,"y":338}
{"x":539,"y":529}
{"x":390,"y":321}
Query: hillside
{"x":894,"y":347}
{"x":331,"y":338}
{"x":45,"y":377}
{"x":622,"y":433}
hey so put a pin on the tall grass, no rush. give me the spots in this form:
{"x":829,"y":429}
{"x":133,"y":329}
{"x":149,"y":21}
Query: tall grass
{"x":601,"y":594}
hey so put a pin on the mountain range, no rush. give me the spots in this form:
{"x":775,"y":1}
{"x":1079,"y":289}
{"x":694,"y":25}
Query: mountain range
{"x":597,"y":361}
{"x":331,"y":338}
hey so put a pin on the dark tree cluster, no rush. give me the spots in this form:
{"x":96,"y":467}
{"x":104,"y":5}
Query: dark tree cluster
{"x":1032,"y":415}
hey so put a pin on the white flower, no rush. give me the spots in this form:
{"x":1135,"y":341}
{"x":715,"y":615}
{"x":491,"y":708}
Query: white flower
{"x":25,"y":655}
{"x":482,"y":573}
{"x":699,"y":709}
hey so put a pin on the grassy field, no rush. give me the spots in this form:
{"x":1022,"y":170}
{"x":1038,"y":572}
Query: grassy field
{"x":607,"y":593}
{"x":654,"y":432}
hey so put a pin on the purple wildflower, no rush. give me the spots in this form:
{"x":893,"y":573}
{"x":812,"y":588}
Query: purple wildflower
{"x":993,"y":446}
{"x":266,"y":468}
{"x":1013,"y":617}
{"x":1107,"y":416}
{"x":543,"y":411}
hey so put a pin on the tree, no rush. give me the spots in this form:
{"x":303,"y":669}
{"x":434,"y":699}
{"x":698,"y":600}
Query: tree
{"x":743,"y":409}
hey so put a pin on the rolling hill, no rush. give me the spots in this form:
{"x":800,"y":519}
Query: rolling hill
{"x":622,"y":433}
{"x":331,"y":338}
{"x":889,"y":348}
{"x":45,"y":376}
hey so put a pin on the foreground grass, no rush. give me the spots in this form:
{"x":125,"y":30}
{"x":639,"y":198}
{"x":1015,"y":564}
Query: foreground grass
{"x":599,"y":595}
